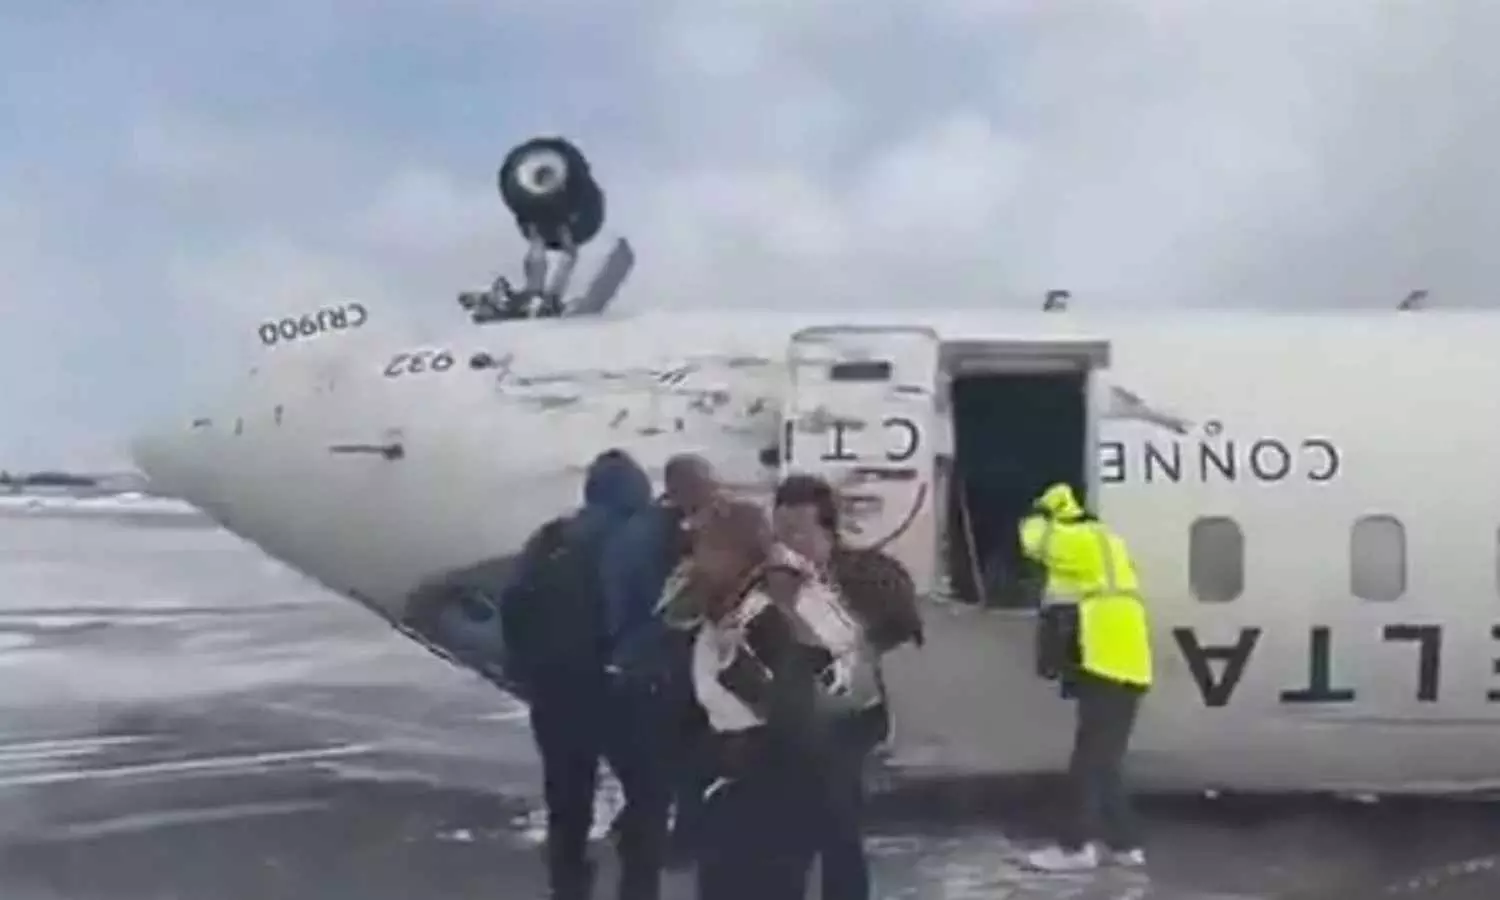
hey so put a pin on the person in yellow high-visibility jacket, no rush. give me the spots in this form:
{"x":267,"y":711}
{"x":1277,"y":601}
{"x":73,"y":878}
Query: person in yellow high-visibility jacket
{"x":1095,"y":637}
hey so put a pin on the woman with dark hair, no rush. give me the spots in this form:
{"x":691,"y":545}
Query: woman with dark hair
{"x":806,"y":518}
{"x":877,"y":587}
{"x":755,"y":682}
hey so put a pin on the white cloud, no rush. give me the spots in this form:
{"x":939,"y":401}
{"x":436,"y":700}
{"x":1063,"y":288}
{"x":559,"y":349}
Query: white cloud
{"x":1204,"y":153}
{"x":1176,"y":152}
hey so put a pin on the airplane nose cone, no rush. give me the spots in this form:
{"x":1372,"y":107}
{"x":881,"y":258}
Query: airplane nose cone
{"x":165,"y":457}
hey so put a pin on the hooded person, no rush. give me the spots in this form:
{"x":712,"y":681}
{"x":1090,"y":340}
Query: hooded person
{"x":615,"y":489}
{"x":1096,"y":637}
{"x":553,"y":615}
{"x":1057,"y":626}
{"x":651,"y":546}
{"x":650,"y":658}
{"x":556,"y":620}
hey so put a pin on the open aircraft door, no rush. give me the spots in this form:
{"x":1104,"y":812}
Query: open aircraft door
{"x":864,"y":410}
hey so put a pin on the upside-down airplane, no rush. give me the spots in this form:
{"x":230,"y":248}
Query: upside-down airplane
{"x":1320,"y":549}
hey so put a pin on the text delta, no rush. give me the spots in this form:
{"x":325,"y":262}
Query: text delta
{"x":1218,"y":667}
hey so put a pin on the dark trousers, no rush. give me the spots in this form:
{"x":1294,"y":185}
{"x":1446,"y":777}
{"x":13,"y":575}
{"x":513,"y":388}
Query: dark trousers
{"x":577,"y":723}
{"x":1101,"y":807}
{"x":692,"y":765}
{"x":845,"y":869}
{"x":691,"y":778}
{"x":758,"y":835}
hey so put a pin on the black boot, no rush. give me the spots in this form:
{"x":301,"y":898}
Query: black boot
{"x":641,"y":883}
{"x":573,"y":882}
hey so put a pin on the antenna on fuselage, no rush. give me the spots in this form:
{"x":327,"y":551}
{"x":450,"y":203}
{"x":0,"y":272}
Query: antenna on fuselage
{"x":1056,"y":300}
{"x":1417,"y":299}
{"x":546,"y":184}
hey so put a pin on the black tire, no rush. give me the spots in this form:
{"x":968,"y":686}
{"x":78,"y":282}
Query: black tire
{"x":547,"y":185}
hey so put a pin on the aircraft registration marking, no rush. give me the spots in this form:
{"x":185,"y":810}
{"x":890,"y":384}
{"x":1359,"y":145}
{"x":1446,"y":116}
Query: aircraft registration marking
{"x":418,"y":362}
{"x":306,"y":325}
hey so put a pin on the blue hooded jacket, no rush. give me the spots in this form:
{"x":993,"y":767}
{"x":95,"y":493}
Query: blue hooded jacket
{"x":617,"y":497}
{"x":614,"y":490}
{"x":635,"y":568}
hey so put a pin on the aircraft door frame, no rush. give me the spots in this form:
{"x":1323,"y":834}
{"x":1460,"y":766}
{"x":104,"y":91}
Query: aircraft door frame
{"x":890,"y":387}
{"x":1088,"y":356}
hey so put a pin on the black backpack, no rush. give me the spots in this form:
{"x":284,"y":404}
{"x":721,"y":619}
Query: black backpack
{"x":553,"y":616}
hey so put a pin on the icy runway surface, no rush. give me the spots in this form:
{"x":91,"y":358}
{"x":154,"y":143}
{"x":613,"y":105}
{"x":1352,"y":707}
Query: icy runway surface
{"x":181,"y":717}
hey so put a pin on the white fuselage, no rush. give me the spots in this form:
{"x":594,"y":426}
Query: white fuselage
{"x":1294,"y":427}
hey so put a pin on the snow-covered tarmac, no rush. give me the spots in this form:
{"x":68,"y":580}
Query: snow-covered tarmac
{"x":181,"y":717}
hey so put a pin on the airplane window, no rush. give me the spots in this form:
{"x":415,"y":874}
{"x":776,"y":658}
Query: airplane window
{"x":1216,"y":559}
{"x":860,"y":370}
{"x":1377,"y":558}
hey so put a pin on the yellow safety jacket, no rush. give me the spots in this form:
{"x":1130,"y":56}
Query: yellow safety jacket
{"x":1089,"y":565}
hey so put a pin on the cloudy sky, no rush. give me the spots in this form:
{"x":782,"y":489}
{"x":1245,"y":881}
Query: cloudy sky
{"x":171,"y":171}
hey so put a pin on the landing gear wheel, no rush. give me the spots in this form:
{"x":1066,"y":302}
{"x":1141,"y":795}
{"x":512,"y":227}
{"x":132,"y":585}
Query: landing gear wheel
{"x":546,"y":184}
